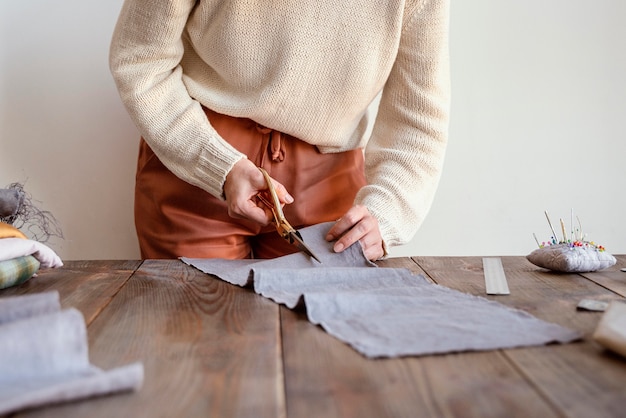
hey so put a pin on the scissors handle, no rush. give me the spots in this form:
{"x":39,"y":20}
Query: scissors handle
{"x":283,"y":227}
{"x":275,"y":206}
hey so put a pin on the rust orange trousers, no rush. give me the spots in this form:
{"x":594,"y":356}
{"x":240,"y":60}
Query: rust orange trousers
{"x":176,"y":219}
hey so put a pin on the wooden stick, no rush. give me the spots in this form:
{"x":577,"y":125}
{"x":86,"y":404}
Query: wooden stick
{"x":551,"y":228}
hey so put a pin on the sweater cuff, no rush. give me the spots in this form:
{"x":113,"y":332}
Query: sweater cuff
{"x":214,"y":164}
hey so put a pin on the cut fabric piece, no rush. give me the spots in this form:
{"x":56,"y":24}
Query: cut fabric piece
{"x":287,"y":286}
{"x":45,"y":356}
{"x":238,"y":271}
{"x":17,"y":270}
{"x":235,"y":272}
{"x":426,"y":319}
{"x":384,"y":312}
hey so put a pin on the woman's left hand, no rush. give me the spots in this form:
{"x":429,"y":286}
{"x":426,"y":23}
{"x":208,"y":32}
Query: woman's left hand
{"x":358,"y":224}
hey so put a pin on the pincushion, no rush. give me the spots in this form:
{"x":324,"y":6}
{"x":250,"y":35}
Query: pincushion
{"x":570,"y":254}
{"x":571,"y":258}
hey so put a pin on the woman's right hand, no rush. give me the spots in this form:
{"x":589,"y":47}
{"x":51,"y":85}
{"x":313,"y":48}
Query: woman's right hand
{"x":243,"y":183}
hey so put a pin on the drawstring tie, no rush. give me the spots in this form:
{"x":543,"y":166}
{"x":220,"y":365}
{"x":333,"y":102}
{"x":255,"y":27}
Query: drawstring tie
{"x":275,"y":146}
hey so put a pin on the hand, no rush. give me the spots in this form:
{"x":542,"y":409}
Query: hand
{"x":358,"y":224}
{"x":243,"y":183}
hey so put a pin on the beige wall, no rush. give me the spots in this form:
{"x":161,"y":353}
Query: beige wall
{"x":539,"y":103}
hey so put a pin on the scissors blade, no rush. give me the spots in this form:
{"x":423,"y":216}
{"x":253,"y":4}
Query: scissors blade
{"x":296,"y":239}
{"x":283,"y":227}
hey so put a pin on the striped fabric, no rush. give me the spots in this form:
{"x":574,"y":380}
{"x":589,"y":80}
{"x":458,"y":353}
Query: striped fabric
{"x":16,"y":271}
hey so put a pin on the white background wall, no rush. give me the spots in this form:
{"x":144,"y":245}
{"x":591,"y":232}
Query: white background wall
{"x":537,"y":123}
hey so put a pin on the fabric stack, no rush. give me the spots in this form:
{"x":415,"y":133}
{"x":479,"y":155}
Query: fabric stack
{"x":20,"y":257}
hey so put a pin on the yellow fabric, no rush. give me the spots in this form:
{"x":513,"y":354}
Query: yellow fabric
{"x":8,"y":231}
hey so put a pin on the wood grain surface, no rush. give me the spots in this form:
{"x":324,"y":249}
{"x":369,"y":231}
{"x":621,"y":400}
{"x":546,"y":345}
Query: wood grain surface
{"x":578,"y":379}
{"x":211,"y":349}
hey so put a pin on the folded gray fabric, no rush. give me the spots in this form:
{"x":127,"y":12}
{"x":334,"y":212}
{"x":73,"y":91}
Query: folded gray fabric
{"x":45,"y":356}
{"x":23,"y":395}
{"x":42,"y":347}
{"x":26,"y":306}
{"x":384,"y":312}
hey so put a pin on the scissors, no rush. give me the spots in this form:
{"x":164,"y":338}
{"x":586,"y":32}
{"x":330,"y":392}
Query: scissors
{"x":282,"y":226}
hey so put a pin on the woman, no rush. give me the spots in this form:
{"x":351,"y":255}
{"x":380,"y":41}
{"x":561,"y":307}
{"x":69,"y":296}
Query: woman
{"x":219,"y":88}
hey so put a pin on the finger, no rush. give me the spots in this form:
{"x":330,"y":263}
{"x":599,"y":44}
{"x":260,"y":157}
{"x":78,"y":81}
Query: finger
{"x":282,"y":193}
{"x":362,"y":227}
{"x":256,"y":209}
{"x":245,"y":205}
{"x":354,"y":234}
{"x":346,"y":222}
{"x":265,"y":202}
{"x":372,"y":247}
{"x":249,"y":209}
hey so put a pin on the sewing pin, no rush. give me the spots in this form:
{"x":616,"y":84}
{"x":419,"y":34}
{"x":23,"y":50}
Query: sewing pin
{"x":572,"y":236}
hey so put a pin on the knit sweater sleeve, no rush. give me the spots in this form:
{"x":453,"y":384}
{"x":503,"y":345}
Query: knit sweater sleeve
{"x":145,"y":56}
{"x":404,"y":156}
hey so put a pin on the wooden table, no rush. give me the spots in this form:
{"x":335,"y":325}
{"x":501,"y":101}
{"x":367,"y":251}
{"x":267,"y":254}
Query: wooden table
{"x":213,"y":349}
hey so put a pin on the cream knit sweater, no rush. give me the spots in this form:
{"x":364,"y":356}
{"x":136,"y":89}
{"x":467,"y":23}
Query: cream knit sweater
{"x":306,"y":68}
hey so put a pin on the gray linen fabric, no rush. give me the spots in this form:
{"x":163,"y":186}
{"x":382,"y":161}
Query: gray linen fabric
{"x":45,"y":356}
{"x":287,"y":287}
{"x":238,"y":271}
{"x":384,"y":312}
{"x":26,"y":306}
{"x":10,"y":202}
{"x":426,"y":319}
{"x":235,"y":272}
